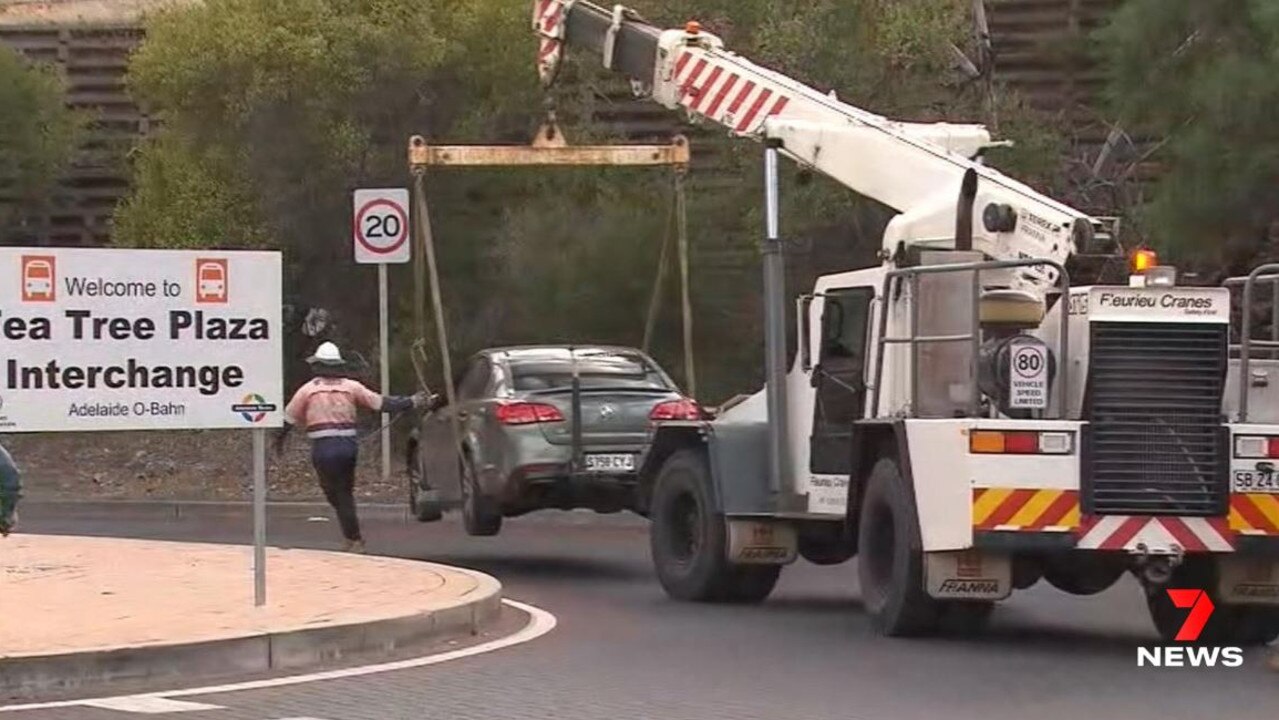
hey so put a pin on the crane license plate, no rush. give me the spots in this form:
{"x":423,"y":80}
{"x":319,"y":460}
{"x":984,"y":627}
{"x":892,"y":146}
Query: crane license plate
{"x":1254,"y":481}
{"x":610,"y":462}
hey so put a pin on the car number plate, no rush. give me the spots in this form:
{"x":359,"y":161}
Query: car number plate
{"x":1255,"y":481}
{"x":614,"y":462}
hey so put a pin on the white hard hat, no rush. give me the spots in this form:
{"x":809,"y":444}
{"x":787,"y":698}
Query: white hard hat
{"x":326,"y":354}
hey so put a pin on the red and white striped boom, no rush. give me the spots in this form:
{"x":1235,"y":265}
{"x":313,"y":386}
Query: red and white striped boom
{"x":915,"y":168}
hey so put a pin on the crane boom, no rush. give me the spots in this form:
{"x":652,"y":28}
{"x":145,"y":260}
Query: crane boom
{"x":922,"y":170}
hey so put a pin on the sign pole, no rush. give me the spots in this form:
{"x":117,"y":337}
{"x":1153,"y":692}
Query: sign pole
{"x":385,"y":362}
{"x":259,"y":517}
{"x":380,"y":235}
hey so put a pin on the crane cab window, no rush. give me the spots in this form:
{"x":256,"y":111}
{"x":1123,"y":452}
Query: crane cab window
{"x":839,"y":376}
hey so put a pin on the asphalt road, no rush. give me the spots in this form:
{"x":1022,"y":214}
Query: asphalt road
{"x":623,"y":650}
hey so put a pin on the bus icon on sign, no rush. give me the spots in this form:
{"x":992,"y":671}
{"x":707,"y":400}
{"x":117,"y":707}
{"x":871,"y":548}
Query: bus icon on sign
{"x":38,"y":278}
{"x":210,"y":281}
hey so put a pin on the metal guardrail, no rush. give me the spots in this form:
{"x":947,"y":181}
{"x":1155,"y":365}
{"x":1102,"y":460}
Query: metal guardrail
{"x":1270,"y":271}
{"x":892,"y":282}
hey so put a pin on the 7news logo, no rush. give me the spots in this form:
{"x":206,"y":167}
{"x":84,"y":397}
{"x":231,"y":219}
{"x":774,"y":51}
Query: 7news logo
{"x":1201,"y":609}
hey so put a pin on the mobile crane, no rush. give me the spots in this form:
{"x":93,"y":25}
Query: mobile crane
{"x":960,"y":418}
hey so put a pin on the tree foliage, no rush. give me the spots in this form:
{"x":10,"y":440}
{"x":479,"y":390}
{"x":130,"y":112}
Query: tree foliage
{"x":38,"y":136}
{"x":1201,"y":77}
{"x":289,"y":104}
{"x":275,"y":109}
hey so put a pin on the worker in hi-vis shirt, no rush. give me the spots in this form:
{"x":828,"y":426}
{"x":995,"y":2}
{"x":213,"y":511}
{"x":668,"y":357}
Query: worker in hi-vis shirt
{"x":327,"y":407}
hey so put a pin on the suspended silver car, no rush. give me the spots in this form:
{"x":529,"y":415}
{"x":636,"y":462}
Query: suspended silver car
{"x":541,"y":427}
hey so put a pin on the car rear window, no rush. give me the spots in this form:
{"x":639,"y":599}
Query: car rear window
{"x":596,"y":371}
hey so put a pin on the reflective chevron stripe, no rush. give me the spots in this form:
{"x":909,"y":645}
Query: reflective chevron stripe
{"x":1254,"y":513}
{"x":1024,"y":510}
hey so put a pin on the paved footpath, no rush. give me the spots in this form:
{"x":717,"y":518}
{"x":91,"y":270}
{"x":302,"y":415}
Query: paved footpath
{"x":68,"y":600}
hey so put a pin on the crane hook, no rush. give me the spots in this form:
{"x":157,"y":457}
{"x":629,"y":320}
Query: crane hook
{"x":549,"y":134}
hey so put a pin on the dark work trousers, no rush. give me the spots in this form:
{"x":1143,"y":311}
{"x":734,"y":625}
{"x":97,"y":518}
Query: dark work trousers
{"x":334,"y":459}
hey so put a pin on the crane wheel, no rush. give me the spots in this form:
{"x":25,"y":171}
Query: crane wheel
{"x":890,"y":563}
{"x":688,"y":538}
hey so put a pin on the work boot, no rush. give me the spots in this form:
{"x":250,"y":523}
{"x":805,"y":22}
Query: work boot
{"x":353,"y":546}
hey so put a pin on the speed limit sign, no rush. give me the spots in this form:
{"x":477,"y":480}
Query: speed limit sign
{"x":1028,"y":379}
{"x":380,"y":226}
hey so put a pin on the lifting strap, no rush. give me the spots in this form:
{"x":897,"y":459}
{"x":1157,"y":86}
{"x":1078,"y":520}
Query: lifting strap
{"x":686,"y":302}
{"x":659,"y":284}
{"x":426,"y":241}
{"x":678,"y":219}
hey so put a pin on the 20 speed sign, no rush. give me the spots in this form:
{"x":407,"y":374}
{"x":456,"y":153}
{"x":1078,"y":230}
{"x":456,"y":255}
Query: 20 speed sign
{"x":380,"y":226}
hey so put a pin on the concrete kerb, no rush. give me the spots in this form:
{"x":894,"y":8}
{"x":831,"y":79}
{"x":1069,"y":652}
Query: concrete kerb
{"x":291,"y":649}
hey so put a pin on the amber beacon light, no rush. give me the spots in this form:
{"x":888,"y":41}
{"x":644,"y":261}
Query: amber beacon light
{"x":1147,"y":272}
{"x":1143,"y":260}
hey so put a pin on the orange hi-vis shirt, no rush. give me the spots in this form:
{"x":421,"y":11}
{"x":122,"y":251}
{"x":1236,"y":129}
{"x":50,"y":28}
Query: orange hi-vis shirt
{"x":327,"y":407}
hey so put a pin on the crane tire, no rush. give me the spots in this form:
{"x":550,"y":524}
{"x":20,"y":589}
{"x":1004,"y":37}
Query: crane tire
{"x":688,"y":538}
{"x":890,"y":564}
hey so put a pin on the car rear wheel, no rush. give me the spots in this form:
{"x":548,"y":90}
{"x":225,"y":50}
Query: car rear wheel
{"x":480,"y":515}
{"x":423,"y":510}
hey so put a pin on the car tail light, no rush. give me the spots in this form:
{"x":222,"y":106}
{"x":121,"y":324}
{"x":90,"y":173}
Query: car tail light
{"x":682,"y":409}
{"x":1256,"y":446}
{"x":1020,"y":442}
{"x":526,"y":413}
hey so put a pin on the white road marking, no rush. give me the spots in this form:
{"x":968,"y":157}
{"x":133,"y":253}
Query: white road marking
{"x":540,"y":623}
{"x":148,"y":705}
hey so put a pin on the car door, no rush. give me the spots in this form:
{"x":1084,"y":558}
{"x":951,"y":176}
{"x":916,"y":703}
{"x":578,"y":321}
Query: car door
{"x":839,"y":378}
{"x":441,"y":446}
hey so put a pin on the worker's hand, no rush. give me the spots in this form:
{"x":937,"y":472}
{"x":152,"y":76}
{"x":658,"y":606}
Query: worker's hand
{"x":423,"y":400}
